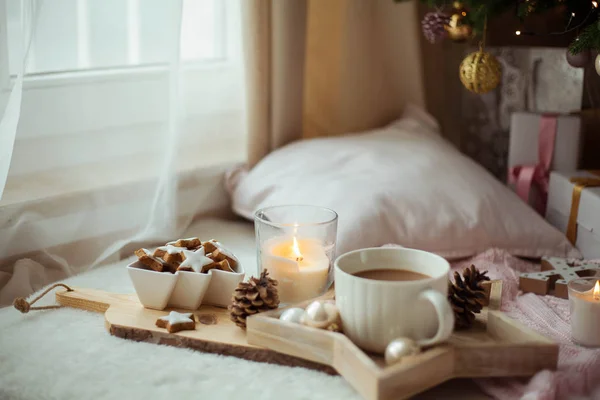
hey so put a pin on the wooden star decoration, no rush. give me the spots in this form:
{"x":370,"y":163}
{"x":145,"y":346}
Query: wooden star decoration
{"x":556,"y":273}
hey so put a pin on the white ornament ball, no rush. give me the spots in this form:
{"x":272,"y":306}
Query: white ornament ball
{"x":292,"y":315}
{"x":320,"y":314}
{"x":597,"y":64}
{"x":399,"y":348}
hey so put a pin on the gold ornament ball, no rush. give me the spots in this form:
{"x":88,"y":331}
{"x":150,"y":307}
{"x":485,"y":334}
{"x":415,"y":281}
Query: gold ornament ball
{"x":480,"y":72}
{"x":459,"y":29}
{"x":531,"y":6}
{"x":597,"y":64}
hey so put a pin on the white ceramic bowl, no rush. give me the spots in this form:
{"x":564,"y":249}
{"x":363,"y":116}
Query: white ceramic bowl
{"x":153,"y":288}
{"x":221,"y":287}
{"x":187,"y":290}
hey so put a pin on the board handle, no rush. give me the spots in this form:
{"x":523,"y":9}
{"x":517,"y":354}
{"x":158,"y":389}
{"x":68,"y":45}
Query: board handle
{"x":90,"y":299}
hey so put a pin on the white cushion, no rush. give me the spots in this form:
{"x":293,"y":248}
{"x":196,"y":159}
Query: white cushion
{"x":400,"y":184}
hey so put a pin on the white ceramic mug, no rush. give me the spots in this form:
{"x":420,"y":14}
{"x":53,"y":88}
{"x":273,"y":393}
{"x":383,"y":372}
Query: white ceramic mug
{"x":375,"y":312}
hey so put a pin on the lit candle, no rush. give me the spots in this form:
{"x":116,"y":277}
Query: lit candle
{"x":585,"y":311}
{"x":300,"y":265}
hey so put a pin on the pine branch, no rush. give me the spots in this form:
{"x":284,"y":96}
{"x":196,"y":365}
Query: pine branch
{"x":588,"y":39}
{"x":479,"y":10}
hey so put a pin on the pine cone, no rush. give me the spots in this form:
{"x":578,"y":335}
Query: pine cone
{"x":467,"y":296}
{"x":256,"y":295}
{"x":434,"y":26}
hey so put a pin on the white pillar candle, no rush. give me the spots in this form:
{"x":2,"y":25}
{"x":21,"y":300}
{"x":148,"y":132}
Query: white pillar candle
{"x":301,"y":267}
{"x":585,"y":316}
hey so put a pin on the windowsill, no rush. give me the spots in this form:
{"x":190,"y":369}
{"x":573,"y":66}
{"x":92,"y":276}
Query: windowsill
{"x":54,"y":187}
{"x":115,"y":74}
{"x":77,"y":213}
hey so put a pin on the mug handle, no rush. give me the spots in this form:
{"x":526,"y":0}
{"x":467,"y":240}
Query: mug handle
{"x":445,"y":317}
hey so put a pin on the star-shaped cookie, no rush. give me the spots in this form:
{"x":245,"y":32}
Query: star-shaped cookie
{"x":175,"y":322}
{"x":149,"y":261}
{"x":172,"y":255}
{"x":189,"y":243}
{"x":218,"y":252}
{"x":194,"y":260}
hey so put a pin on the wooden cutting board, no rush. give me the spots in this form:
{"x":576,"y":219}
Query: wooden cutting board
{"x":126,"y":318}
{"x":496,"y":346}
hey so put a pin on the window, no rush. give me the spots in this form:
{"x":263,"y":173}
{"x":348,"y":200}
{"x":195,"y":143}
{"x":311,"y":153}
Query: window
{"x":124,"y":105}
{"x":98,"y":74}
{"x":76,"y":35}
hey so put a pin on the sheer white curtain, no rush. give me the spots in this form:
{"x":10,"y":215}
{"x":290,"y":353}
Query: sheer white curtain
{"x":112,"y":112}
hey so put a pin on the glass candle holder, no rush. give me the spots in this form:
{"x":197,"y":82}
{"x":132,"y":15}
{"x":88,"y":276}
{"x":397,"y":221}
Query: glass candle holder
{"x":296,"y":244}
{"x":584,"y":302}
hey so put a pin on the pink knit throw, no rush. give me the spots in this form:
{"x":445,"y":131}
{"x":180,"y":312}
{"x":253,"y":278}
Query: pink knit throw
{"x":578,"y":374}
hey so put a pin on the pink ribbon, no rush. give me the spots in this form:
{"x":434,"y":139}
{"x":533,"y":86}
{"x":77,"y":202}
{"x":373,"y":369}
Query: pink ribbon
{"x":525,"y":176}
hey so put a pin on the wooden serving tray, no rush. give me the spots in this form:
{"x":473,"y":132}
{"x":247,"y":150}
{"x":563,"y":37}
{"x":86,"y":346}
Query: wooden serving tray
{"x":496,"y":346}
{"x":126,"y":318}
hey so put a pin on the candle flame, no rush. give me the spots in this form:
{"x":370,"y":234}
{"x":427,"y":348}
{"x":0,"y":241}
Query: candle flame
{"x":296,"y":250}
{"x":596,"y":292}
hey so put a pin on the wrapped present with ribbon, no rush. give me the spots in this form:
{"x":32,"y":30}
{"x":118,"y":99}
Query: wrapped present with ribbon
{"x":539,"y":144}
{"x":574,"y":208}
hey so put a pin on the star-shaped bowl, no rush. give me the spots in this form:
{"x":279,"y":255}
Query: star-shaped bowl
{"x":183,"y":289}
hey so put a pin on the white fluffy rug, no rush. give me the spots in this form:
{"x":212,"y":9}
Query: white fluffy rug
{"x":68,"y":354}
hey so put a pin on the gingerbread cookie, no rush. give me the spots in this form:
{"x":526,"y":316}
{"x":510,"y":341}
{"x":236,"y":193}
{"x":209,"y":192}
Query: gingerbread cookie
{"x":175,"y":322}
{"x":194,"y":261}
{"x":189,"y":255}
{"x":148,"y":260}
{"x":192,"y":243}
{"x":172,"y":255}
{"x":223,"y":265}
{"x":209,"y":246}
{"x":219,"y":253}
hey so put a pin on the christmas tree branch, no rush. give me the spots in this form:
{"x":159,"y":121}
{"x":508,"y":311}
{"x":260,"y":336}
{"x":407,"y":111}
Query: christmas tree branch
{"x":588,"y":39}
{"x":579,"y":14}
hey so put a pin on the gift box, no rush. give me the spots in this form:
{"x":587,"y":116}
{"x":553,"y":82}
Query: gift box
{"x":574,"y":208}
{"x":540,"y":143}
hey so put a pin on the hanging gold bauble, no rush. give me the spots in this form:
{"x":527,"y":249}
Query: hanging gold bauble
{"x":531,"y":6}
{"x":480,"y":72}
{"x":459,"y":29}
